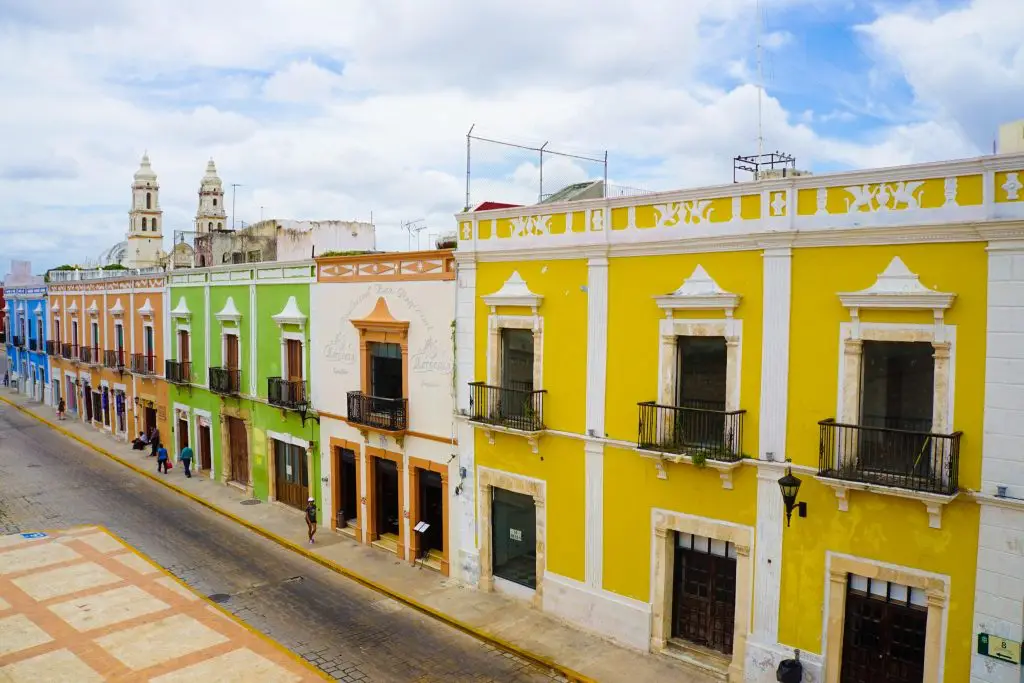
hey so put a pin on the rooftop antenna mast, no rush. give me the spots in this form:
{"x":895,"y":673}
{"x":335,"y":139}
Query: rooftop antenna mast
{"x":760,"y":87}
{"x":412,"y":227}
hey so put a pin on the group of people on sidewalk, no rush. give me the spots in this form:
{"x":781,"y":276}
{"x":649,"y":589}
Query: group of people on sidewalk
{"x":159,"y":451}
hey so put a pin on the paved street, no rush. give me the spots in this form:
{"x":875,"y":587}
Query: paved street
{"x":350,"y":632}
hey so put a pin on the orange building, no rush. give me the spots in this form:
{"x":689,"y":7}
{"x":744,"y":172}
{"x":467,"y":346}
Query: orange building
{"x":106,"y":348}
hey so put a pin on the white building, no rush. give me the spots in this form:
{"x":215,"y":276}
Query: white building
{"x":382,"y":353}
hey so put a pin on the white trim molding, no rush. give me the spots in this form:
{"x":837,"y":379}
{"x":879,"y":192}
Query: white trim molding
{"x":897,"y":288}
{"x":146,"y":310}
{"x":290,"y":315}
{"x":117,"y":310}
{"x":180,"y":311}
{"x":515,"y":292}
{"x":699,"y":292}
{"x":229,"y":313}
{"x":93,"y":310}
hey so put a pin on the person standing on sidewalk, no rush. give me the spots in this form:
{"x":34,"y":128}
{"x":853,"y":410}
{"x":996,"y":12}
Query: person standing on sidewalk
{"x":161,"y":460}
{"x":186,"y":460}
{"x":154,"y":440}
{"x":60,"y":409}
{"x":311,"y":519}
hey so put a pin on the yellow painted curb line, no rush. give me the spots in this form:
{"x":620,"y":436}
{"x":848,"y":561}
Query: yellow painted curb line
{"x":538,"y":660}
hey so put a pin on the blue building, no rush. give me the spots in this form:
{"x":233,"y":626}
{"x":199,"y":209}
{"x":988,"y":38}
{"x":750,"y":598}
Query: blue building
{"x":28,"y":367}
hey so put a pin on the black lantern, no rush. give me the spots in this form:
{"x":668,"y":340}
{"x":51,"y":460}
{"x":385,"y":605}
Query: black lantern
{"x":790,"y":486}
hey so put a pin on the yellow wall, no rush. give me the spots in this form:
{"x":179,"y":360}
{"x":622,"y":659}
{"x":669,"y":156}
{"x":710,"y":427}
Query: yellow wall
{"x":820,"y":273}
{"x":560,"y":464}
{"x":876,"y":527}
{"x":633,"y":333}
{"x":564,"y":310}
{"x":632,"y":489}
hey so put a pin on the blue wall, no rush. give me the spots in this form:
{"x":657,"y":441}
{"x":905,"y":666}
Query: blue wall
{"x":28,"y":319}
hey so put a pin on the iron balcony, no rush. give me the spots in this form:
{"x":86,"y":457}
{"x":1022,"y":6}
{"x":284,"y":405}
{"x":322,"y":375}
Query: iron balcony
{"x":113,"y":359}
{"x":226,"y":381}
{"x":386,"y":414}
{"x":289,"y":394}
{"x":917,"y":460}
{"x":143,"y":364}
{"x":52,"y":348}
{"x":700,"y":428}
{"x":178,"y":371}
{"x":520,"y":408}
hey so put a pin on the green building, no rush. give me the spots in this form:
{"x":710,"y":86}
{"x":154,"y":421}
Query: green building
{"x":238,"y":370}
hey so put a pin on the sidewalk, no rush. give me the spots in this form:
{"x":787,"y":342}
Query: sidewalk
{"x":509,"y":624}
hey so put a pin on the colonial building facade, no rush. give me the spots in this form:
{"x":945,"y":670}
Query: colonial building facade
{"x":27,"y":369}
{"x":636,"y":375}
{"x":106,"y":347}
{"x":383,"y":357}
{"x":239,"y":376}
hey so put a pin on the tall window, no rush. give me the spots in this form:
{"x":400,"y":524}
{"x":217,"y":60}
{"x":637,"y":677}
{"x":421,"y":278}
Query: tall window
{"x":899,"y":385}
{"x":215,"y":201}
{"x":56,"y":330}
{"x":149,"y":350}
{"x":293,"y":359}
{"x":149,"y":201}
{"x":152,"y":223}
{"x":385,"y":370}
{"x":701,"y":371}
{"x":210,"y":225}
{"x":231,"y":351}
{"x":143,"y":222}
{"x":183,"y":344}
{"x":95,"y":336}
{"x":516,"y":365}
{"x":74,"y":332}
{"x":39,"y":331}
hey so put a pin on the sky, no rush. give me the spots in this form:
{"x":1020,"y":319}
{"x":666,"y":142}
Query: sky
{"x":347,"y":110}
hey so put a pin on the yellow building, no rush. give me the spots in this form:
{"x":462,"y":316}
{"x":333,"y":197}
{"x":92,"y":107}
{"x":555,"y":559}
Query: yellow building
{"x":637,"y":374}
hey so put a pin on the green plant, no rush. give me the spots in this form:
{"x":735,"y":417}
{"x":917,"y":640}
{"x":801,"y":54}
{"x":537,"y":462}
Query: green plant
{"x":354,"y":252}
{"x":699,"y":458}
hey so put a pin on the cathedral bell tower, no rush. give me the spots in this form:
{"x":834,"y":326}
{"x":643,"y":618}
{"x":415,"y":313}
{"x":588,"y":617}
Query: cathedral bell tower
{"x":145,"y":219}
{"x":210,"y":215}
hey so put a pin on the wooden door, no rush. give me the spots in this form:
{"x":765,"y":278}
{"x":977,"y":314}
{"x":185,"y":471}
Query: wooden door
{"x":291,"y":474}
{"x":239,"y":447}
{"x":231,"y":352}
{"x":204,"y":447}
{"x":182,"y":435}
{"x":704,"y":597}
{"x":883,"y":635}
{"x":183,"y":355}
{"x":293,"y":356}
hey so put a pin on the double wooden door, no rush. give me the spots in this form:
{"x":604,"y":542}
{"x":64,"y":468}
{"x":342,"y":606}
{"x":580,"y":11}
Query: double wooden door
{"x":291,"y":474}
{"x":238,"y":445}
{"x":704,"y":596}
{"x":883,"y":635}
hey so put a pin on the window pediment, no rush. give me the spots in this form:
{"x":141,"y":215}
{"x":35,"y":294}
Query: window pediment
{"x":515,"y":292}
{"x":55,"y":308}
{"x":93,"y":310}
{"x":40,"y":310}
{"x":73,"y":308}
{"x":699,"y":292}
{"x":229,"y":313}
{"x":897,"y":287}
{"x":380,"y":319}
{"x":290,"y":314}
{"x":117,"y":310}
{"x":146,"y":310}
{"x":181,"y":311}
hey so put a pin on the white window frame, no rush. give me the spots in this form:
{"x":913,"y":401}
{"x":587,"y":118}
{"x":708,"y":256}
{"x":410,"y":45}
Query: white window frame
{"x":514,"y":292}
{"x":145,"y":351}
{"x":182,"y":327}
{"x":295,"y":336}
{"x":225,"y":332}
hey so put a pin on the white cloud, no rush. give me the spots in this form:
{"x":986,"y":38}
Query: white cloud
{"x":323,"y":109}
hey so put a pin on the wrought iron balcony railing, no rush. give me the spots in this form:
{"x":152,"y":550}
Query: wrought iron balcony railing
{"x":69,"y":351}
{"x":178,"y":371}
{"x":226,"y":381}
{"x":52,"y":347}
{"x":698,"y":428}
{"x":18,"y":340}
{"x":89,"y":355}
{"x":903,"y":458}
{"x":33,"y":344}
{"x":388,"y":414}
{"x":290,"y":394}
{"x":113,"y":358}
{"x":143,"y":364}
{"x":520,"y":408}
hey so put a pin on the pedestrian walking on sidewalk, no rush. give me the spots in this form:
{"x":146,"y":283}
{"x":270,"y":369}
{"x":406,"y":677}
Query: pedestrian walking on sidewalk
{"x":60,"y":409}
{"x":186,"y":460}
{"x":311,"y":519}
{"x":161,"y":460}
{"x":154,"y":440}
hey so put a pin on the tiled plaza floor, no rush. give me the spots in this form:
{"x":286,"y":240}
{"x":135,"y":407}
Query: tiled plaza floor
{"x":81,"y":606}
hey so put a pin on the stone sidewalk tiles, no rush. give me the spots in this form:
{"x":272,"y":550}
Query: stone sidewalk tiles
{"x":82,"y":606}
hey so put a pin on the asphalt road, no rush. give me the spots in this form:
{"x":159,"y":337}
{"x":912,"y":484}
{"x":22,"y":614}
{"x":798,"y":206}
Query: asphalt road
{"x":352,"y":633}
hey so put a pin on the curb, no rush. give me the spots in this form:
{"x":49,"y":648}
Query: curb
{"x":535,"y":659}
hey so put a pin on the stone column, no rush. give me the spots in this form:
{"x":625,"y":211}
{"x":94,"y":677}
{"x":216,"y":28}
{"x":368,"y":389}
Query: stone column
{"x":836,"y":596}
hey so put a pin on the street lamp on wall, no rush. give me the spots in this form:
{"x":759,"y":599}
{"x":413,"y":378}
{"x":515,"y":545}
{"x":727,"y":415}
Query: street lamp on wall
{"x":790,"y":486}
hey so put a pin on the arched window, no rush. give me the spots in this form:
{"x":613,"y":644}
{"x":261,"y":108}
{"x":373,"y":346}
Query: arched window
{"x":149,"y":201}
{"x":210,"y":226}
{"x":143,"y":222}
{"x":220,"y":226}
{"x":202,"y":261}
{"x":152,"y":224}
{"x":215,"y":201}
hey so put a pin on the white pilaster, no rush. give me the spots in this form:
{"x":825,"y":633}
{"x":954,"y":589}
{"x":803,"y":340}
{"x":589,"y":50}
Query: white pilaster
{"x":467,"y":565}
{"x":772,"y":443}
{"x":206,"y":337}
{"x":999,"y":589}
{"x":594,"y":541}
{"x":597,"y":342}
{"x":252,"y":340}
{"x":778,"y":268}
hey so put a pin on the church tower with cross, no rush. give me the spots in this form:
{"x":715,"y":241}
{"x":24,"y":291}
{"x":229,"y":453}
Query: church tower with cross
{"x":145,"y":220}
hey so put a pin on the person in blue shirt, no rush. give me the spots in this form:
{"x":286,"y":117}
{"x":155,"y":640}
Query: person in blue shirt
{"x":186,"y":460}
{"x":162,"y":464}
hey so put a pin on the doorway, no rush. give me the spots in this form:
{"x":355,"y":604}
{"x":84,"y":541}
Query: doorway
{"x":514,"y":537}
{"x":704,"y":592}
{"x":119,"y":411}
{"x":238,"y":446}
{"x":348,"y":498}
{"x":291,"y":474}
{"x":105,"y":402}
{"x":884,"y":632}
{"x":87,"y":399}
{"x":431,"y":511}
{"x":386,"y":499}
{"x":149,"y":418}
{"x":182,"y":434}
{"x":205,"y":464}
